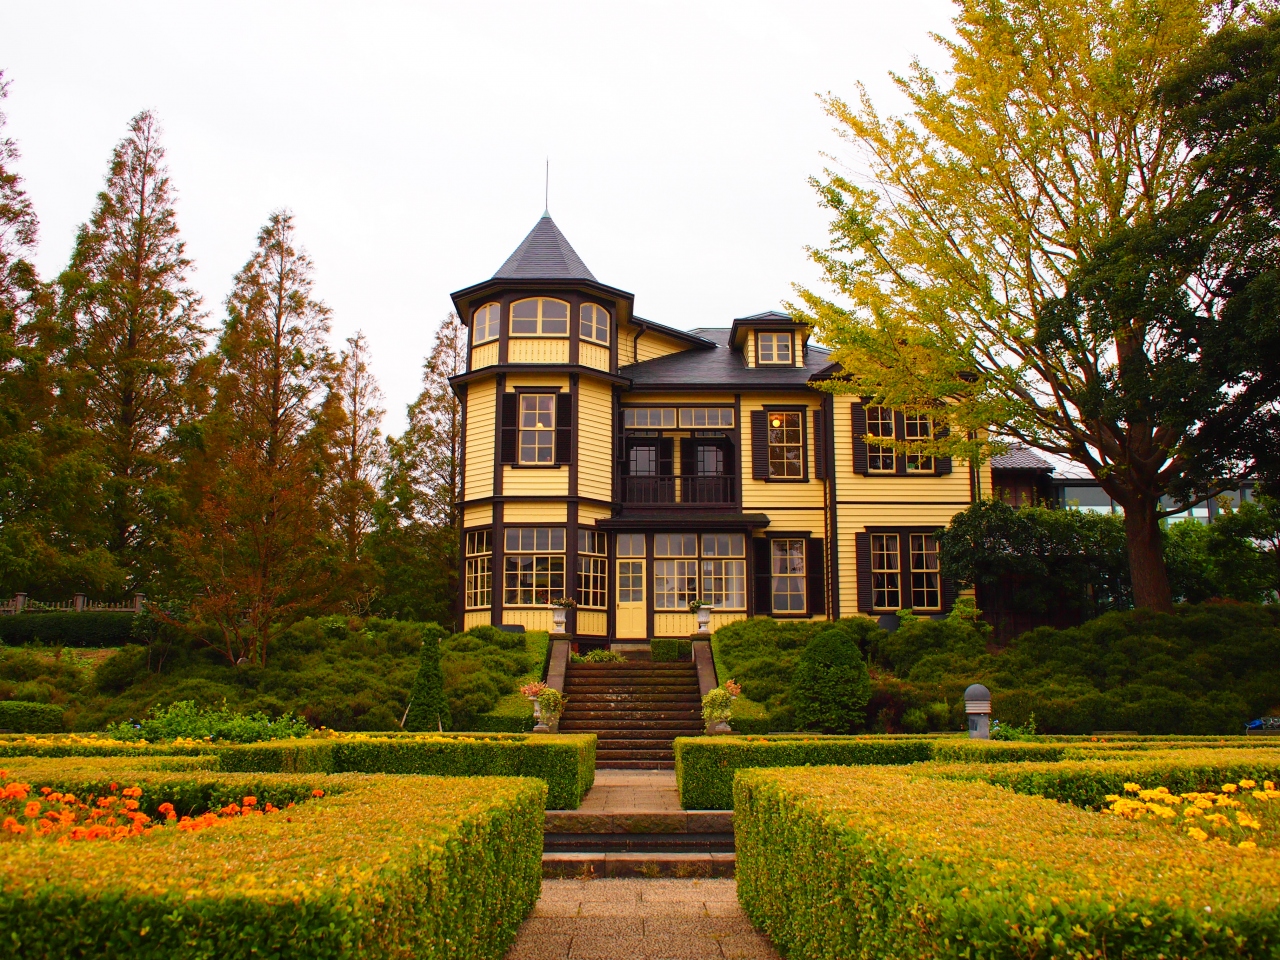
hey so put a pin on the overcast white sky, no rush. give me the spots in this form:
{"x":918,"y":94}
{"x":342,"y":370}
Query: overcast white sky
{"x":409,"y":139}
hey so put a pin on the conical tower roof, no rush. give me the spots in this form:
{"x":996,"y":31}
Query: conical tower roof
{"x":544,"y":255}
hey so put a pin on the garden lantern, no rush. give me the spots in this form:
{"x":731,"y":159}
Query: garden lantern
{"x":977,"y":707}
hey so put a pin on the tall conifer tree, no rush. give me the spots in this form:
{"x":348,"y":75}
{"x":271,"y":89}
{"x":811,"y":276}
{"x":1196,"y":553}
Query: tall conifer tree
{"x":258,"y":556}
{"x":136,"y":364}
{"x":359,"y":449}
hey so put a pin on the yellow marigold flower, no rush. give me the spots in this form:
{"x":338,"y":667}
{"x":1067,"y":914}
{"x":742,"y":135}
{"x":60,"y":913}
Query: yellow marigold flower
{"x":1268,"y":785}
{"x":1246,"y":821}
{"x":1132,"y":787}
{"x":1247,"y":845}
{"x":1229,"y":788}
{"x":1261,"y":795}
{"x":1197,"y":834}
{"x":1191,"y":812}
{"x":1248,"y":784}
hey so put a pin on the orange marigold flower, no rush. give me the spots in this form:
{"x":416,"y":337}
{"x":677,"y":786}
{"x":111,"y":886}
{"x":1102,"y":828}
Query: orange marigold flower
{"x":46,"y":790}
{"x":68,"y":798}
{"x":33,"y":810}
{"x":131,"y":804}
{"x":113,"y":786}
{"x":317,"y":793}
{"x":12,"y":826}
{"x":250,"y":801}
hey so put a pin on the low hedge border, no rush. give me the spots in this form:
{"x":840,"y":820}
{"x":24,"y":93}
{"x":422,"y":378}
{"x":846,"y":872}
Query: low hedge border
{"x":884,"y":862}
{"x":20,"y":716}
{"x":670,"y":649}
{"x":705,"y":765}
{"x":566,"y":762}
{"x":1087,"y":783}
{"x":380,"y":867}
{"x":88,"y":629}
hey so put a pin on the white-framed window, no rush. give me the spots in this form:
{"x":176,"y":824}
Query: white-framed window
{"x":540,"y":316}
{"x":631,"y":581}
{"x":593,"y":570}
{"x":786,"y":444}
{"x":787,"y":556}
{"x":886,"y":572}
{"x":479,"y":569}
{"x":880,"y":425}
{"x":918,"y":426}
{"x":537,"y":427}
{"x":533,"y":566}
{"x":706,"y":418}
{"x":485,"y":323}
{"x":724,"y":570}
{"x":773,"y":347}
{"x":675,"y":570}
{"x":648,"y":417}
{"x":630,"y":545}
{"x":926,"y":584}
{"x":593,"y":323}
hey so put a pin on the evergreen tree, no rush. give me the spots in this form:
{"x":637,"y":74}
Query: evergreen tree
{"x":259,"y":555}
{"x":416,"y":540}
{"x":359,"y":455}
{"x":428,"y":706}
{"x":135,"y":366}
{"x":49,"y":479}
{"x":832,"y":685}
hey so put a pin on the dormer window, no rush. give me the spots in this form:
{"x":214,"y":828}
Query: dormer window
{"x":540,"y":317}
{"x":773,"y":347}
{"x":594,"y":323}
{"x":484,"y":323}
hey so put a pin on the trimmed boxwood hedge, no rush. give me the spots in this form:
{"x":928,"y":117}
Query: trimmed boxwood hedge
{"x":705,"y":765}
{"x":380,"y":867}
{"x":19,"y":716}
{"x":90,"y":628}
{"x":883,"y":862}
{"x":669,"y":649}
{"x":566,"y":762}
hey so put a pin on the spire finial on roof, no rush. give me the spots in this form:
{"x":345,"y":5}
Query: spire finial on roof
{"x":546,"y":192}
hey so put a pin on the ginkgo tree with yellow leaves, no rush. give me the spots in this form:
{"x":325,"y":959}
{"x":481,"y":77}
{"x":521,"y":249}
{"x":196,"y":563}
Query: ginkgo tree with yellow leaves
{"x":960,"y":229}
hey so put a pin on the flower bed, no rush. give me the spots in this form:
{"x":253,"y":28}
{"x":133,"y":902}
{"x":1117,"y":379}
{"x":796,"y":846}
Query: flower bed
{"x":1242,"y":814}
{"x":884,"y":862}
{"x":379,"y":866}
{"x":566,"y":762}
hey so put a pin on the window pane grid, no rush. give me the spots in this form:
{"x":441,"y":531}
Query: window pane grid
{"x":886,"y":563}
{"x":593,"y":323}
{"x":700,"y":417}
{"x":479,"y":541}
{"x":774,"y":347}
{"x":479,"y":585}
{"x":591,"y":541}
{"x":533,"y":579}
{"x":786,"y":445}
{"x":540,"y":316}
{"x":788,"y":568}
{"x":484,"y":324}
{"x":879,"y":424}
{"x":593,"y":577}
{"x":918,"y":427}
{"x":675,"y":583}
{"x":535,"y":539}
{"x":648,"y":417}
{"x":631,"y":544}
{"x":926,"y":590}
{"x":631,"y":581}
{"x":675,"y":545}
{"x":537,"y":427}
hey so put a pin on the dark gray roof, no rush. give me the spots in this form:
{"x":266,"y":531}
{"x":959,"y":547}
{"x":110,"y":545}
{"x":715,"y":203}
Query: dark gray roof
{"x":1021,"y":458}
{"x":767,"y":315}
{"x":719,"y":367}
{"x":544,"y":255}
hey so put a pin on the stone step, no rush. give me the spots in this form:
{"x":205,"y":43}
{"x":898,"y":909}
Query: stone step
{"x":598,"y":865}
{"x":606,"y":700}
{"x":609,"y":756}
{"x":635,"y":764}
{"x":666,"y":737}
{"x":612,"y":745}
{"x":637,"y":842}
{"x":639,"y":666}
{"x":570,"y":725}
{"x":602,"y":686}
{"x":679,"y":821}
{"x":607,"y":716}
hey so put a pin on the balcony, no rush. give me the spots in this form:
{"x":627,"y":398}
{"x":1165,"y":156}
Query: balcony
{"x":667,"y":492}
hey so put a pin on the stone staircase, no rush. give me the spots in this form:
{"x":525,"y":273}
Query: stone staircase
{"x":636,"y":710}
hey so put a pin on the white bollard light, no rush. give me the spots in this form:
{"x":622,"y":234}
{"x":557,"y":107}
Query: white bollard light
{"x":977,"y":707}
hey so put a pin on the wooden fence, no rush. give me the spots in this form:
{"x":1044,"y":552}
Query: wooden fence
{"x":21,"y":603}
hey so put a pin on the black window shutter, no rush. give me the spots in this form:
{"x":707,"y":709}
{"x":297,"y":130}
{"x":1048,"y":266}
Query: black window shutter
{"x":508,"y":430}
{"x":859,"y":439}
{"x":948,"y":594}
{"x":564,"y":427}
{"x":764,"y":578}
{"x":688,"y":458}
{"x":900,"y":433}
{"x":759,"y":445}
{"x":862,"y":551}
{"x":942,"y":465}
{"x":815,"y":577}
{"x":819,"y":445}
{"x":666,"y":450}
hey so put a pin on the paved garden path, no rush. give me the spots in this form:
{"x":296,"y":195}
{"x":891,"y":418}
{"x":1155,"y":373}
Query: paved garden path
{"x":629,"y":791}
{"x":649,"y":919}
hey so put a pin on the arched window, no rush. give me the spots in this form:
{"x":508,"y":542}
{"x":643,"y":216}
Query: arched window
{"x":540,"y":316}
{"x":594,"y":323}
{"x":484,"y":323}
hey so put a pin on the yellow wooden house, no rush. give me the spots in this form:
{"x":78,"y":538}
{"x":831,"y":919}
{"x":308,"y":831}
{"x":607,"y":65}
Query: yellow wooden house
{"x":634,"y":467}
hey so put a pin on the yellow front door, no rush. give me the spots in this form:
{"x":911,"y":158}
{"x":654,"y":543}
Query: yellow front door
{"x":633,"y":623}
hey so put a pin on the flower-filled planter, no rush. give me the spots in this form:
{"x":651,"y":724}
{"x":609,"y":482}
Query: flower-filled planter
{"x":560,"y":612}
{"x":702,"y":610}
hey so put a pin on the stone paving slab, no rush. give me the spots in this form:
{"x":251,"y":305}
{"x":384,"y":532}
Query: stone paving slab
{"x":648,"y":865}
{"x":642,"y":919}
{"x":629,"y":791}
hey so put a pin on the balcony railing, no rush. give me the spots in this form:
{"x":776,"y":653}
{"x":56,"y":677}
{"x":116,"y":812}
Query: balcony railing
{"x":679,"y":491}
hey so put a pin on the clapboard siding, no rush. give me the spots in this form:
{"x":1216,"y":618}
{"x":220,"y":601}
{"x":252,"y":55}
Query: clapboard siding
{"x":537,"y":350}
{"x":653,"y":345}
{"x":480,"y":452}
{"x":593,"y":623}
{"x":516,"y":511}
{"x":595,"y":439}
{"x":594,"y":356}
{"x":485,"y":355}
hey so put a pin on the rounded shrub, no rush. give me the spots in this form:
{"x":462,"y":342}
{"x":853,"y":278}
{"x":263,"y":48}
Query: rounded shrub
{"x":832,"y":685}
